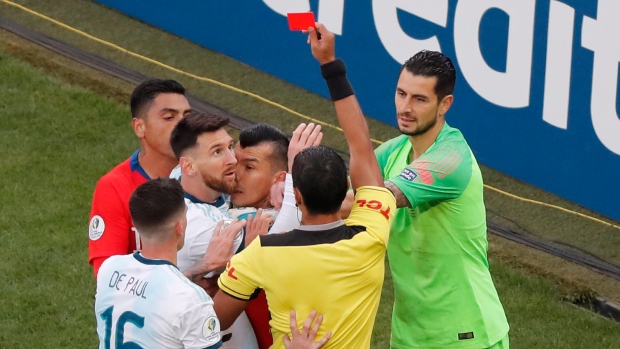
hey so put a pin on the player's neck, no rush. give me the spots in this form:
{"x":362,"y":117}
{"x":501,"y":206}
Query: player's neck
{"x":264,"y":204}
{"x":162,"y":252}
{"x":195,"y":187}
{"x":308,"y":219}
{"x":156,"y":164}
{"x":422,"y":142}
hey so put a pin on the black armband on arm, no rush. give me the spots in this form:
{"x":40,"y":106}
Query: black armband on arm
{"x":335,"y":75}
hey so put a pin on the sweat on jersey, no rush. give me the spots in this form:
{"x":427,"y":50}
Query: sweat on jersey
{"x":444,"y":294}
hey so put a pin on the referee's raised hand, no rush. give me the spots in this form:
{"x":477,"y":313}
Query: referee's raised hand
{"x":322,"y":43}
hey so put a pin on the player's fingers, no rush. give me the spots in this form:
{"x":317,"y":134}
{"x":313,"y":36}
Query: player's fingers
{"x":318,"y":139}
{"x":323,"y":340}
{"x":315,"y":328}
{"x":250,"y":223}
{"x":303,"y":138}
{"x":313,"y":136}
{"x":306,"y":327}
{"x":287,"y":341}
{"x":297,"y":132}
{"x":218,"y":228}
{"x":265,"y":223}
{"x":236,"y":227}
{"x":293,"y":322}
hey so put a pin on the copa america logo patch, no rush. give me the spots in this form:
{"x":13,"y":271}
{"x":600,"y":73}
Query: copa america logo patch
{"x":408,"y":174}
{"x":211,"y":329}
{"x":96,"y":227}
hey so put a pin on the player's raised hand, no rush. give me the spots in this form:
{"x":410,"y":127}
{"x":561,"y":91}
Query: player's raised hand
{"x":305,"y":338}
{"x":257,"y":225}
{"x":303,"y":137}
{"x":322,"y":43}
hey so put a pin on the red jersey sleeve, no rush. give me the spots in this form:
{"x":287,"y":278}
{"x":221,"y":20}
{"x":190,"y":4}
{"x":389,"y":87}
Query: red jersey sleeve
{"x":110,"y":227}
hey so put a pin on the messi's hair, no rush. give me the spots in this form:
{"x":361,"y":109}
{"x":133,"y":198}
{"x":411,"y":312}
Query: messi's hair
{"x":320,"y":175}
{"x":186,"y":132}
{"x":144,"y":94}
{"x":262,"y":133}
{"x":156,"y":203}
{"x":433,"y":64}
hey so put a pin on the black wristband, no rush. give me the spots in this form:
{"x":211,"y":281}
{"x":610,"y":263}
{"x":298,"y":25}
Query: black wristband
{"x":335,"y":75}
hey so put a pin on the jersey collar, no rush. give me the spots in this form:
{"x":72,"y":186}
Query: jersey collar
{"x":147,"y":261}
{"x":135,"y":165}
{"x":319,"y":227}
{"x":217,"y":203}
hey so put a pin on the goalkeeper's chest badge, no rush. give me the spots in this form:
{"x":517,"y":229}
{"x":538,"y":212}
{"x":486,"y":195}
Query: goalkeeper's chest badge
{"x":96,"y":227}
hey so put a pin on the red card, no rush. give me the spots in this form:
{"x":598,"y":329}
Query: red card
{"x":301,"y":20}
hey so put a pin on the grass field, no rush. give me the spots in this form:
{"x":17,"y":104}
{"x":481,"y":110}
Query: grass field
{"x":59,"y":138}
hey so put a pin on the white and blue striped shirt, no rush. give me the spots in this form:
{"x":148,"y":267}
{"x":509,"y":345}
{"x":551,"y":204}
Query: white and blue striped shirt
{"x":151,"y":304}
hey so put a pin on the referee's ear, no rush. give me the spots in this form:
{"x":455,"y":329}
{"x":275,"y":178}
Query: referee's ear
{"x":298,"y":198}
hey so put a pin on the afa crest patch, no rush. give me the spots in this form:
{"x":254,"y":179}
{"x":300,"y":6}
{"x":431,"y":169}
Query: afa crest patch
{"x":96,"y":228}
{"x":408,"y":174}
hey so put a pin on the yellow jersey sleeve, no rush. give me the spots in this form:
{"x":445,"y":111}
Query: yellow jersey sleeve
{"x":240,"y":279}
{"x":373,"y":208}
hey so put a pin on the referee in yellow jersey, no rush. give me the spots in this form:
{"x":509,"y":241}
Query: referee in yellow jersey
{"x":334,"y":266}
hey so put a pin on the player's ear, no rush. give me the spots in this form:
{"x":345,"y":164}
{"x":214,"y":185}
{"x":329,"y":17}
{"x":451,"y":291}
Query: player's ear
{"x":445,"y":104}
{"x":187,"y":166}
{"x":138,"y":127}
{"x":181,"y":224}
{"x":280,"y":176}
{"x":298,"y":198}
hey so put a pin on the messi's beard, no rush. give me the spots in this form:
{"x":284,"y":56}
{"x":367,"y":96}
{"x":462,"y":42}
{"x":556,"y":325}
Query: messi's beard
{"x":219,"y":185}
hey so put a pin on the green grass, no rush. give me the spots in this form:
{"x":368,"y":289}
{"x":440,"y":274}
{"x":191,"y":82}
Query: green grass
{"x":58,"y":139}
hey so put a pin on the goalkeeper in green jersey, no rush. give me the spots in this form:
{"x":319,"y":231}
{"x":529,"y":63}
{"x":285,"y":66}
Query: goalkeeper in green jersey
{"x":444,"y":294}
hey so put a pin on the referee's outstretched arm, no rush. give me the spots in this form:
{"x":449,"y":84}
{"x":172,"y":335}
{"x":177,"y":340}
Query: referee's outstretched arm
{"x":363,"y":166}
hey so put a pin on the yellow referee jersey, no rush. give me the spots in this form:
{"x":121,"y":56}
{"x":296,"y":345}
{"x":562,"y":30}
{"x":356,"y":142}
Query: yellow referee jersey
{"x":335,"y":268}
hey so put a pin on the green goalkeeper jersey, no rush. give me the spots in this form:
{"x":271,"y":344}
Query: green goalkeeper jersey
{"x":444,"y":294}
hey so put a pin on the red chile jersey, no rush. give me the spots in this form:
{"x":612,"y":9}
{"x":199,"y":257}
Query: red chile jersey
{"x":111,"y":231}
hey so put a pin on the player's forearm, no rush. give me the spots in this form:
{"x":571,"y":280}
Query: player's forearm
{"x":204,"y":266}
{"x":363,"y":164}
{"x":287,"y":219}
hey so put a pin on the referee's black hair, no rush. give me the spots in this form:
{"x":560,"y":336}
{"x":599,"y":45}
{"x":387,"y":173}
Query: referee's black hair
{"x":320,"y":175}
{"x":433,"y":64}
{"x":144,"y":94}
{"x":262,"y":133}
{"x":155,"y":203}
{"x":186,"y":132}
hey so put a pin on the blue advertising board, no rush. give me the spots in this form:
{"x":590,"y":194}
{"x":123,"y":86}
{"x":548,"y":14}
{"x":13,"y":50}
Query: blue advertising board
{"x":537,"y":83}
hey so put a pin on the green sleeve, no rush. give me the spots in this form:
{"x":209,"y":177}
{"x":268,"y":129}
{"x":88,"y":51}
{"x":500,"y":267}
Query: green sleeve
{"x":440,"y":174}
{"x":382,"y":153}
